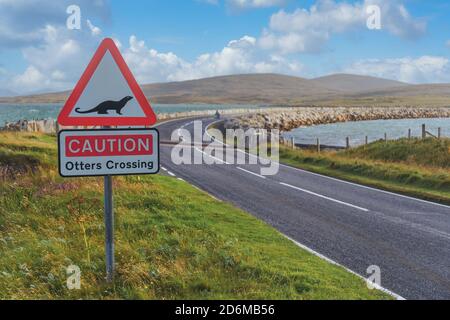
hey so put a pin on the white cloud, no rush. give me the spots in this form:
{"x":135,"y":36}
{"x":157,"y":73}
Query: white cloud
{"x":95,"y":31}
{"x":56,"y":63}
{"x":239,"y":56}
{"x":149,"y":65}
{"x":54,"y":55}
{"x":398,"y":21}
{"x":23,"y":22}
{"x":425,"y":69}
{"x":30,"y":79}
{"x":308,"y":30}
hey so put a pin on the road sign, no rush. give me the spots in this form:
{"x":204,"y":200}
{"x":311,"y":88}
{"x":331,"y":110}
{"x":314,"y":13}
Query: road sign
{"x":108,"y":152}
{"x":107,"y":94}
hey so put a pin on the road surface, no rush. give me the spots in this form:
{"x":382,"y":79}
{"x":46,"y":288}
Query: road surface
{"x":356,"y":226}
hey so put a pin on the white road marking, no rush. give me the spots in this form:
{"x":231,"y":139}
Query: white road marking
{"x":164,"y":168}
{"x":335,"y":179}
{"x":171,"y":173}
{"x":255,"y":174}
{"x":186,"y":125}
{"x":324,"y":197}
{"x":366,"y":187}
{"x":321,"y":256}
{"x":212,"y":157}
{"x":172,"y":120}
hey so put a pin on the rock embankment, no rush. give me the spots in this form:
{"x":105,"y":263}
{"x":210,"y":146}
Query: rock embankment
{"x":45,"y":125}
{"x":287,"y":119}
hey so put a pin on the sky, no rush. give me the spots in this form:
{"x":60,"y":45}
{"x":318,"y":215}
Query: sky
{"x":176,"y":40}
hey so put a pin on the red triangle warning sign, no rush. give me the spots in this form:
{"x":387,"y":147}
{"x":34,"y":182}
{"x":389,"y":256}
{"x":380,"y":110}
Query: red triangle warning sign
{"x":107,"y":94}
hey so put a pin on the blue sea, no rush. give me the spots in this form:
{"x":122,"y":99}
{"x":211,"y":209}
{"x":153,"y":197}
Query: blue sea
{"x":15,"y":112}
{"x":335,"y":134}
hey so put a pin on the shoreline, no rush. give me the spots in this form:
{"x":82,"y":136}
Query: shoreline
{"x":283,"y":118}
{"x":49,"y":125}
{"x":287,"y":119}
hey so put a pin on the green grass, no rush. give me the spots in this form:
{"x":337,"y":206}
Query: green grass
{"x":172,"y":240}
{"x":415,"y":167}
{"x":429,"y":153}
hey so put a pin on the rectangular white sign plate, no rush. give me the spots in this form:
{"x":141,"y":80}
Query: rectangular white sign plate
{"x":108,"y":152}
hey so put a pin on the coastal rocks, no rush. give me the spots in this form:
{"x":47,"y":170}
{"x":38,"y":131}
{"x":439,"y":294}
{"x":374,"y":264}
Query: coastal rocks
{"x":286,"y":119}
{"x":45,"y":126}
{"x":283,"y":118}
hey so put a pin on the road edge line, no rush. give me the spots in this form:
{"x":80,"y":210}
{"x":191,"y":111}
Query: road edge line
{"x":332,"y":178}
{"x":321,"y":256}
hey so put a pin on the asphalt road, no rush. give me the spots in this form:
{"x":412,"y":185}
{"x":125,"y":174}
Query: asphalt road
{"x":356,"y":226}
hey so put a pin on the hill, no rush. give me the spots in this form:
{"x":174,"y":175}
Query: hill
{"x":252,"y":88}
{"x":338,"y":89}
{"x":437,"y":89}
{"x":354,"y":83}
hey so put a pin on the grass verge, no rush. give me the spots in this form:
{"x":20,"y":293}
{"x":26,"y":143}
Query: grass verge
{"x":419,"y":168}
{"x":172,"y":240}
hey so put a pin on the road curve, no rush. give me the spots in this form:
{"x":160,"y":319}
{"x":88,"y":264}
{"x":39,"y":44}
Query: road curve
{"x":354,"y":225}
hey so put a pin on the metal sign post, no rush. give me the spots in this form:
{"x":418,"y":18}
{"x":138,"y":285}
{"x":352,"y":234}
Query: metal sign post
{"x":109,"y":228}
{"x":108,"y":152}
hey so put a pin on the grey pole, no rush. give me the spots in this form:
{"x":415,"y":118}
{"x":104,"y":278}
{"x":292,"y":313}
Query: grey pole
{"x":109,"y":229}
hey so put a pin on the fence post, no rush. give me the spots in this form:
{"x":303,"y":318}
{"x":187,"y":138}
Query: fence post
{"x":409,"y":134}
{"x":347,"y":142}
{"x":424,"y":131}
{"x":293,"y":142}
{"x":439,"y":133}
{"x":385,"y":137}
{"x":367,"y":140}
{"x":318,"y":145}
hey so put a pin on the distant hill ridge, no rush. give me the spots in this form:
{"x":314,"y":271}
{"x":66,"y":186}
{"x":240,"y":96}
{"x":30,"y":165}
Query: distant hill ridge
{"x":267,"y":89}
{"x":355,"y":83}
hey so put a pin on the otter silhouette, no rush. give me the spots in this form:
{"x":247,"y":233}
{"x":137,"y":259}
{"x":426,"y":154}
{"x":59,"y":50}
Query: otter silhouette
{"x":105,"y":106}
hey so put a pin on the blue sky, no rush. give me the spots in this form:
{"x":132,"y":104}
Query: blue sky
{"x":176,"y":40}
